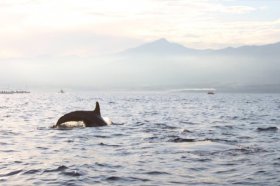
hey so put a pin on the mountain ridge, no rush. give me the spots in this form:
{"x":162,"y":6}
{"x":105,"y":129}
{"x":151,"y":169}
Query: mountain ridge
{"x":165,"y":47}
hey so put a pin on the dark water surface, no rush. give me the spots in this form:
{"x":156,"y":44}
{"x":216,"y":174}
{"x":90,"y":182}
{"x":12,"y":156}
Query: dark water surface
{"x":159,"y":138}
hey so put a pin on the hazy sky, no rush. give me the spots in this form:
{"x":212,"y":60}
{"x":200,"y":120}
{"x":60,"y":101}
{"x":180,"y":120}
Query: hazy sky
{"x":32,"y":28}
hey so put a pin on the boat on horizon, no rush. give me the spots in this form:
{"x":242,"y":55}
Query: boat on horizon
{"x":211,"y":92}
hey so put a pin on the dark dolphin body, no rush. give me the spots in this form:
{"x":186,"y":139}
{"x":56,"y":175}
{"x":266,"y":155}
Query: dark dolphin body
{"x":90,"y":118}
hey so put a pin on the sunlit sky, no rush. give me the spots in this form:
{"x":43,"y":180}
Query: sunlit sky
{"x":34,"y":28}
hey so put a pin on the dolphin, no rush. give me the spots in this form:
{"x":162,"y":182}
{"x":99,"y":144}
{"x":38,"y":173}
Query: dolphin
{"x":89,"y":118}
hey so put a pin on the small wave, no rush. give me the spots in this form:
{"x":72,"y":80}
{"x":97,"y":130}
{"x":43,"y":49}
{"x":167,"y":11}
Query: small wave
{"x":102,"y":136}
{"x":114,"y":178}
{"x":230,"y":117}
{"x":108,"y":165}
{"x":276,"y":164}
{"x":117,"y":178}
{"x":11,"y":173}
{"x":245,"y":137}
{"x":9,"y":151}
{"x":177,"y":183}
{"x":42,"y":148}
{"x":244,"y":150}
{"x":72,"y":173}
{"x":262,"y":129}
{"x":155,"y":139}
{"x":58,"y":169}
{"x":189,"y":122}
{"x":4,"y":143}
{"x":10,"y":133}
{"x":226,"y":171}
{"x":156,"y":173}
{"x":224,"y":127}
{"x":164,"y":126}
{"x":108,"y":145}
{"x":4,"y":107}
{"x":117,"y":123}
{"x":181,"y":140}
{"x":220,"y":140}
{"x":148,"y":113}
{"x":43,"y":128}
{"x":118,"y":134}
{"x":33,"y":171}
{"x":185,"y":131}
{"x":61,"y":168}
{"x":63,"y":171}
{"x":139,"y":123}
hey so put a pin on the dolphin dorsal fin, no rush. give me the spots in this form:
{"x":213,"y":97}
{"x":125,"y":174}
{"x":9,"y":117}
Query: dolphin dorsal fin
{"x":97,"y":109}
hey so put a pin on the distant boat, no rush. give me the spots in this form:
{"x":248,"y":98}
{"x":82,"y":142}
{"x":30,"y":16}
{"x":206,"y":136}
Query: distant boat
{"x":61,"y":91}
{"x":211,"y":92}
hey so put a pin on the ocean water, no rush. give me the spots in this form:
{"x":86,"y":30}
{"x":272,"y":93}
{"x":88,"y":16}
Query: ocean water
{"x":157,"y":138}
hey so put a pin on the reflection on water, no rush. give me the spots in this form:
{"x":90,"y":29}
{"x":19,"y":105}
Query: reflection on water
{"x":157,"y":138}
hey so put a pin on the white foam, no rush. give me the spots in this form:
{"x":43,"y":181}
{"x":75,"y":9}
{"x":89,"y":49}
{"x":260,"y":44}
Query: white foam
{"x":72,"y":124}
{"x":107,"y":120}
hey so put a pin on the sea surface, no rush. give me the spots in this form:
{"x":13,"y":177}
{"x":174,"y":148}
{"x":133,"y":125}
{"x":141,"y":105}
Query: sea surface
{"x":157,"y":138}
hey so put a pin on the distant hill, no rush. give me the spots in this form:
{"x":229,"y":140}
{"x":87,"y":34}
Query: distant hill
{"x":269,"y":50}
{"x":160,"y":47}
{"x":163,"y":47}
{"x":164,"y":63}
{"x":159,"y":64}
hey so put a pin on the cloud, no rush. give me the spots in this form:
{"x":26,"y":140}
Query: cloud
{"x":238,"y":9}
{"x":81,"y":43}
{"x":89,"y":27}
{"x":205,"y":7}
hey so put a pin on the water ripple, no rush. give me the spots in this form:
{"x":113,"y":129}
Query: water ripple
{"x":157,"y":138}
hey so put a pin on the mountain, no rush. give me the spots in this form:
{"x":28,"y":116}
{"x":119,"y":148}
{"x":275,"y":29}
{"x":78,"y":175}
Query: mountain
{"x":164,"y":63}
{"x":163,"y":47}
{"x":269,"y":50}
{"x":160,"y":47}
{"x":158,"y":64}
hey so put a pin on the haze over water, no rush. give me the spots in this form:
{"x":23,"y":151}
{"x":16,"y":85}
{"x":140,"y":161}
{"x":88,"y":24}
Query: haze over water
{"x":230,"y":45}
{"x":158,"y":138}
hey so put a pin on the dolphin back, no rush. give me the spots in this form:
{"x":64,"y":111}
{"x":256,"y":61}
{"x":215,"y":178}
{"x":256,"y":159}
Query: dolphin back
{"x":72,"y":116}
{"x":89,"y":118}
